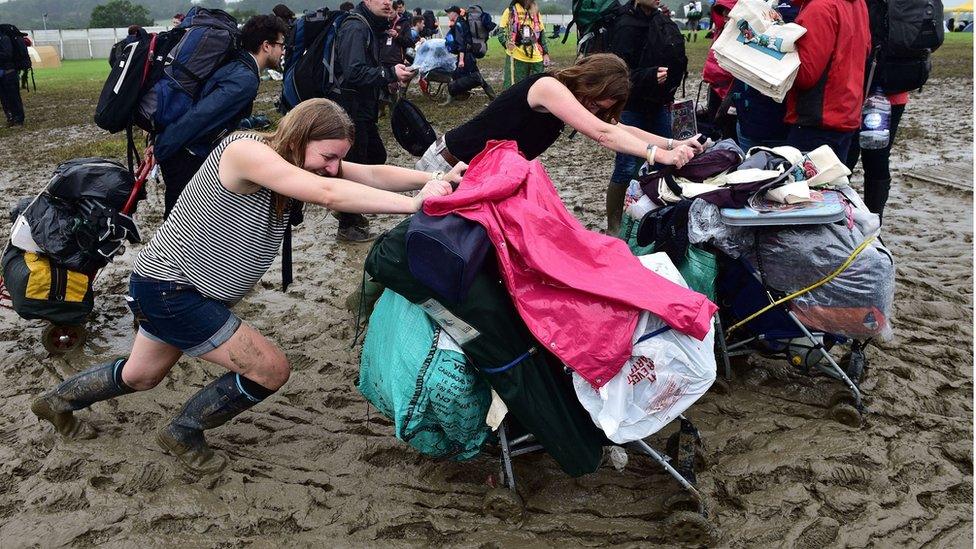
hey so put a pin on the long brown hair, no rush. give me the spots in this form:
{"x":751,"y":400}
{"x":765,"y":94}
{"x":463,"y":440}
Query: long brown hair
{"x":597,"y":77}
{"x":310,"y":120}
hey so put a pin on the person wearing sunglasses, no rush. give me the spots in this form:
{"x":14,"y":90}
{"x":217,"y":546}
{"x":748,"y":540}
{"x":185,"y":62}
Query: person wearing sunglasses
{"x":225,"y":99}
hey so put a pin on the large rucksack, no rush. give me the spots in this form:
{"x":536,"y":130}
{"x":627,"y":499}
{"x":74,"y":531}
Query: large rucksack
{"x":480,"y":25}
{"x":302,"y":33}
{"x":77,"y":221}
{"x":593,"y":20}
{"x":313,"y":74}
{"x":13,"y":50}
{"x":120,"y":95}
{"x":41,"y":289}
{"x":903,"y":35}
{"x":211,"y":39}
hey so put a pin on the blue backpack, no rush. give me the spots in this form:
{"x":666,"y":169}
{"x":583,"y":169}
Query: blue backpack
{"x":312,"y":72}
{"x":210,"y":39}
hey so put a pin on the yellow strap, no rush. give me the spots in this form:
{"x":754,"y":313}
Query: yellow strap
{"x":814,"y":286}
{"x":39,"y":281}
{"x":77,"y":287}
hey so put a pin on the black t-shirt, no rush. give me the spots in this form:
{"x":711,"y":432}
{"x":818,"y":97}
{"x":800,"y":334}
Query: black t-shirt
{"x":508,"y":117}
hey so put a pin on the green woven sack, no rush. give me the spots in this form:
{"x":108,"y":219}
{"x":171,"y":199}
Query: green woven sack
{"x":699,"y":268}
{"x":422,"y":382}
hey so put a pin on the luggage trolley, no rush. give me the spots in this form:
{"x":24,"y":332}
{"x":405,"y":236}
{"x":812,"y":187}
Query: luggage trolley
{"x":770,"y":328}
{"x":683,"y":458}
{"x":59,"y":339}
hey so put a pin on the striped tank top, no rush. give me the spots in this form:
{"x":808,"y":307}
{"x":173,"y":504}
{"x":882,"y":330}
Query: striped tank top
{"x":216,"y":240}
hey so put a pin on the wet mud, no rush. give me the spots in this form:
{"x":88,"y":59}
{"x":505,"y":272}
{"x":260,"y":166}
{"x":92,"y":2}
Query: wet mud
{"x":314,"y":465}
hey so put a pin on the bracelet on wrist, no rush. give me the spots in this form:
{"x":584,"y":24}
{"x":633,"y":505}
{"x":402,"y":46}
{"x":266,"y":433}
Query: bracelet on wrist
{"x":670,"y":144}
{"x":438,"y":176}
{"x":651,"y":153}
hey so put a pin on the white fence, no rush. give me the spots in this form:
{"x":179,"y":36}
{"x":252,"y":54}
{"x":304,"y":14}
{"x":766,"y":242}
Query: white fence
{"x":82,"y":43}
{"x":97,"y":43}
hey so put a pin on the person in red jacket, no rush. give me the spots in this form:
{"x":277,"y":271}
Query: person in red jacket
{"x":824,"y":106}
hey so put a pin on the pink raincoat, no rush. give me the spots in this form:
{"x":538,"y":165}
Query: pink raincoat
{"x":578,"y":291}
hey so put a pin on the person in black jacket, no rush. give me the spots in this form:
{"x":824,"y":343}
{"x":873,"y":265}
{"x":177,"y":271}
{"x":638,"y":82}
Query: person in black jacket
{"x":13,"y":59}
{"x":654,"y":50}
{"x":362,"y":78}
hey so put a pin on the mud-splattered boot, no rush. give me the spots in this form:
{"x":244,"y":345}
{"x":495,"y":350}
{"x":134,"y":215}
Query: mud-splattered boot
{"x":214,"y":405}
{"x":80,"y":391}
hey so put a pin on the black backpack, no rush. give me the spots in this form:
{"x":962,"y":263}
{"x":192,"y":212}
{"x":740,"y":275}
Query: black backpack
{"x":410,"y":127}
{"x":313,"y":74}
{"x":13,"y":50}
{"x":904,"y":33}
{"x":129,"y":60}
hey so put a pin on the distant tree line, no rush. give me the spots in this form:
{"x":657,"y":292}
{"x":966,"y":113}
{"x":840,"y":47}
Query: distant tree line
{"x":79,"y":14}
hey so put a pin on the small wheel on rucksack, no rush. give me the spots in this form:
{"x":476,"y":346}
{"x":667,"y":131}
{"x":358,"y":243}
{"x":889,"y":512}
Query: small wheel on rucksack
{"x":60,"y":339}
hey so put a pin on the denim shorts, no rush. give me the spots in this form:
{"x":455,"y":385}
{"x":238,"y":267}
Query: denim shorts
{"x":658,"y":122}
{"x":176,"y":314}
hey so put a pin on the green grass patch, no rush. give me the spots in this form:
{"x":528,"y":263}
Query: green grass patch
{"x":74,"y":75}
{"x":955,"y":58}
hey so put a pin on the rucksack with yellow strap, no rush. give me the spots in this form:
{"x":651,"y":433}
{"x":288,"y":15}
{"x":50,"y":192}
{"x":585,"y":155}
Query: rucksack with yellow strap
{"x":41,"y":289}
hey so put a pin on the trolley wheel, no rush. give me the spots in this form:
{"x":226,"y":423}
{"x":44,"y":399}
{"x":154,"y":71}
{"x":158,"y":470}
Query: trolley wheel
{"x":58,"y":339}
{"x":690,"y":528}
{"x":701,"y":461}
{"x":504,"y":504}
{"x":845,"y":414}
{"x":721,"y":386}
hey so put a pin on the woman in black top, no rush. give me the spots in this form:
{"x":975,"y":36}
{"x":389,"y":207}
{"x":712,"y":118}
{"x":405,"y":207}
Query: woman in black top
{"x":588,"y":97}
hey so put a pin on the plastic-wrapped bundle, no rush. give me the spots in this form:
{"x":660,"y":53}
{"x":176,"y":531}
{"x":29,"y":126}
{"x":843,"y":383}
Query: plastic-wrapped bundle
{"x":705,"y":226}
{"x":433,"y":55}
{"x":857,"y":303}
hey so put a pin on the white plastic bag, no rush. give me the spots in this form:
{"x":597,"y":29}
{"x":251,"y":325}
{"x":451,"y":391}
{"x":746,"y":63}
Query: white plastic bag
{"x":667,"y":372}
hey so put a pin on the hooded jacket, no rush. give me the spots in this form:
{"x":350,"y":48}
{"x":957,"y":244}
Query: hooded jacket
{"x":225,"y":99}
{"x":358,"y":67}
{"x":829,"y":88}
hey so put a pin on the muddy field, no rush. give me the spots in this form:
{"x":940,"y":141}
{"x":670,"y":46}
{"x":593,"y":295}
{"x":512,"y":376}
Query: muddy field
{"x":314,"y":465}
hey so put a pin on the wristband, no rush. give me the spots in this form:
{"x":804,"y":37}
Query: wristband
{"x":438,"y":176}
{"x":670,"y":144}
{"x":651,"y":153}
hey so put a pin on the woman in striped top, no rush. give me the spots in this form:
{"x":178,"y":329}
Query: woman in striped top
{"x":219,"y":240}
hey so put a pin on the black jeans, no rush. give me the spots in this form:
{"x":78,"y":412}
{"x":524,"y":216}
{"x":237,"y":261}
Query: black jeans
{"x":367,"y":148}
{"x":807,"y":138}
{"x":13,"y":106}
{"x":875,"y":163}
{"x":178,"y":170}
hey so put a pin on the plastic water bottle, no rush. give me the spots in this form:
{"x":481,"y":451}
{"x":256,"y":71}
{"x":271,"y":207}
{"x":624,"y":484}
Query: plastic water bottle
{"x":875,"y":120}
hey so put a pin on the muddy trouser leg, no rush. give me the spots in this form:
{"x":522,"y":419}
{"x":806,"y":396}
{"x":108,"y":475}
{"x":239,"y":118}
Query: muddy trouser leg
{"x":214,"y":405}
{"x":80,"y":391}
{"x":13,"y":105}
{"x":368,"y":149}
